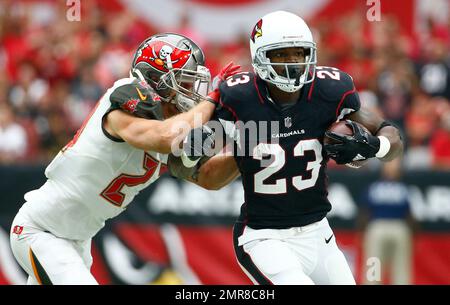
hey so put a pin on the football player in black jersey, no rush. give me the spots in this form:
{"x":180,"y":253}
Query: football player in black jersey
{"x":282,"y":235}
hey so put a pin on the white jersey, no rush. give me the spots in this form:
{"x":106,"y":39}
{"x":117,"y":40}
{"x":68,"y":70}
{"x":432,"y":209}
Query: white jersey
{"x":92,"y":179}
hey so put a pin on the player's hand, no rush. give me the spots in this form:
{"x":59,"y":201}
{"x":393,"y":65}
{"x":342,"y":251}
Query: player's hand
{"x":229,"y":70}
{"x":198,"y":143}
{"x":360,"y":146}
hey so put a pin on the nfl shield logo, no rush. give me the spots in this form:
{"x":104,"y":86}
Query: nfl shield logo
{"x":288,"y":122}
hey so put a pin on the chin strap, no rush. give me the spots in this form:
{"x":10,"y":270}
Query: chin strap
{"x":297,"y":81}
{"x":138,"y":73}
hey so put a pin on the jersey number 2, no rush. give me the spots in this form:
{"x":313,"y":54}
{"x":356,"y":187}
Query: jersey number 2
{"x":113,"y":193}
{"x":333,"y":74}
{"x":280,"y":185}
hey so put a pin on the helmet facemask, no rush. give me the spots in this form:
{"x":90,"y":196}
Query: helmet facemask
{"x":294,"y":75}
{"x":189,"y":86}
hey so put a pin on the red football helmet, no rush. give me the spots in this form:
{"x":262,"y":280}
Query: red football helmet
{"x":174,"y":66}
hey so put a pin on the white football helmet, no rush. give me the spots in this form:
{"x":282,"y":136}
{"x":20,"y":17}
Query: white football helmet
{"x":278,"y":30}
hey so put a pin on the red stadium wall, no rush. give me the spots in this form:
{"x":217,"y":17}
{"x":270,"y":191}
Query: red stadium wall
{"x":210,"y":255}
{"x":176,"y":233}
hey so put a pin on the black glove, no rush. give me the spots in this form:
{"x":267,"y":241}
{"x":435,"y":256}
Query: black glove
{"x":361,"y":146}
{"x":198,"y":143}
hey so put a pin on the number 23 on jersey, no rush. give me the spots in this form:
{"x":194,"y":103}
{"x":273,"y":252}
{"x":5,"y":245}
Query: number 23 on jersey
{"x":279,"y":161}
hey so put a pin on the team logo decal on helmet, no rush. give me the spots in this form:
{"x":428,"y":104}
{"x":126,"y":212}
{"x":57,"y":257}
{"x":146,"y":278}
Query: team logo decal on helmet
{"x":155,"y":53}
{"x":257,"y":30}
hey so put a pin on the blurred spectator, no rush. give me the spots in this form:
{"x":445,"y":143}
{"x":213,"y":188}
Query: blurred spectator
{"x":393,"y":85}
{"x":185,"y":28}
{"x":115,"y":59}
{"x":54,"y":122}
{"x":28,"y":90}
{"x":13,"y":138}
{"x":434,"y":73}
{"x":419,"y":123}
{"x":440,"y":141}
{"x":85,"y":92}
{"x":386,"y":219}
{"x":41,"y":52}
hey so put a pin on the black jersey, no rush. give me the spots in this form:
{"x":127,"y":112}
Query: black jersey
{"x":284,"y":170}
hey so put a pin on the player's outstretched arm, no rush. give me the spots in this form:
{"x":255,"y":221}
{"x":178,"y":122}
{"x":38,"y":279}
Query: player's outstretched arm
{"x":210,"y":173}
{"x":391,"y":145}
{"x":155,"y":135}
{"x":217,"y":172}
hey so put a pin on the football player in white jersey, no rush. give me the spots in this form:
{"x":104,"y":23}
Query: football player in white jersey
{"x":121,"y":148}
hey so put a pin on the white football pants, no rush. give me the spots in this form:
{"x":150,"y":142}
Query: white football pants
{"x":294,"y":256}
{"x":47,"y":258}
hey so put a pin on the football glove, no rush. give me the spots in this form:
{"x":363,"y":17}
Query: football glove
{"x":198,"y":143}
{"x":361,"y":146}
{"x":229,"y":70}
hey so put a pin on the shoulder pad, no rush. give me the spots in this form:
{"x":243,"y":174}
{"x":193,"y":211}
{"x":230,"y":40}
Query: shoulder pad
{"x":331,"y":83}
{"x":237,"y":88}
{"x":137,"y":98}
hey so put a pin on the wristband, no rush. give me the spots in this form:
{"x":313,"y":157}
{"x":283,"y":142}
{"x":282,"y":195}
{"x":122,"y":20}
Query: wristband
{"x":385,"y":146}
{"x":213,"y":97}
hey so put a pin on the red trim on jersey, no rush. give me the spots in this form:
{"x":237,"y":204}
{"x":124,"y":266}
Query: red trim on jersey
{"x":229,"y":109}
{"x":342,"y":100}
{"x":261,"y":100}
{"x":312,"y":86}
{"x":79,"y":131}
{"x":311,"y":90}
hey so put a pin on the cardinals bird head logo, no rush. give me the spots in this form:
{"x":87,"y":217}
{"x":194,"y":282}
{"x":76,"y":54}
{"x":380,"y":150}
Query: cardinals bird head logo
{"x":257,"y":30}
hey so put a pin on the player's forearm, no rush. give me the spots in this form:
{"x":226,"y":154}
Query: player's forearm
{"x":217,"y":172}
{"x":395,"y":149}
{"x":212,"y":174}
{"x":165,"y":136}
{"x":197,"y":116}
{"x":148,"y":135}
{"x":373,"y":122}
{"x":160,"y":136}
{"x":174,"y":130}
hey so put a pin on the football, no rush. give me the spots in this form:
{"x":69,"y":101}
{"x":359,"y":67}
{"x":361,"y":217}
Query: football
{"x":342,"y":127}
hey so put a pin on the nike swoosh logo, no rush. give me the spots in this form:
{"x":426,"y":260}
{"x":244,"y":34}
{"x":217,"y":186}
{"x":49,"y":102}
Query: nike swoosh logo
{"x":327,"y":240}
{"x":141,"y":96}
{"x":358,"y":157}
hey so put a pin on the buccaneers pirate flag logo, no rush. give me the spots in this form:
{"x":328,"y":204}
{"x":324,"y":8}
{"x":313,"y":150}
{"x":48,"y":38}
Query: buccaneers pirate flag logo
{"x":155,"y":53}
